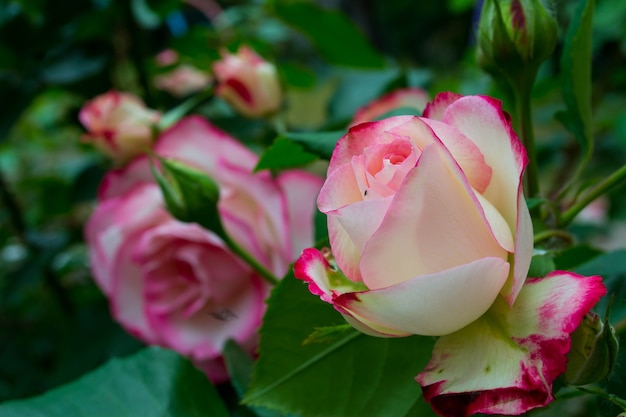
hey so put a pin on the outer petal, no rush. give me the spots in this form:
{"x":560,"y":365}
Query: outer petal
{"x":405,"y":97}
{"x":436,"y":109}
{"x":300,"y":189}
{"x":513,"y":354}
{"x":195,"y":141}
{"x":482,"y":120}
{"x":434,"y":223}
{"x":349,"y":229}
{"x":116,"y":220}
{"x":432,"y":304}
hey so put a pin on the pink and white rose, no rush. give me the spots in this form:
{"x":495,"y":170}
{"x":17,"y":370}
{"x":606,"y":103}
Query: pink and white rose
{"x":118,"y":124}
{"x":431,"y":235}
{"x":178,"y":285}
{"x":411,"y":98}
{"x":248,"y":82}
{"x":183,"y":80}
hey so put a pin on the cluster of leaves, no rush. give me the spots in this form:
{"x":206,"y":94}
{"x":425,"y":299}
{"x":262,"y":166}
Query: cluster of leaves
{"x":54,"y":323}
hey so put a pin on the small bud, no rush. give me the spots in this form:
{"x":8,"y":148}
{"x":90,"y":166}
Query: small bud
{"x":190,"y":195}
{"x":514,"y":35}
{"x":118,"y":124}
{"x":593,"y":352}
{"x":248,"y":82}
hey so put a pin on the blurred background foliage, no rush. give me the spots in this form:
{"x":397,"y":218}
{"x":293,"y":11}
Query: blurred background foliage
{"x":54,"y":323}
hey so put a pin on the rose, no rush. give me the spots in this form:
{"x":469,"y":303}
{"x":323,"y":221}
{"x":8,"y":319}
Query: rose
{"x":403,"y":98}
{"x":425,"y":206}
{"x":247,"y":82}
{"x":183,"y":80}
{"x":177,"y":285}
{"x":431,"y":235}
{"x":118,"y":124}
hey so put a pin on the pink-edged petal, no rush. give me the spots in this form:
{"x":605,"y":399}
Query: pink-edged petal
{"x":257,"y":201}
{"x":323,"y":279}
{"x":434,"y":223}
{"x":483,"y":121}
{"x":524,"y":242}
{"x":300,"y":190}
{"x":436,"y":109}
{"x":465,"y":153}
{"x":360,"y":137}
{"x":340,"y":188}
{"x":195,"y":141}
{"x":118,"y":181}
{"x":411,"y":97}
{"x":512,"y":354}
{"x":349,"y":230}
{"x":111,"y":224}
{"x":430,"y":305}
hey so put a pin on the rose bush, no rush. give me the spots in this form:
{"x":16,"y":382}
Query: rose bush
{"x":248,"y":82}
{"x":431,"y":235}
{"x":176,"y":284}
{"x":118,"y":124}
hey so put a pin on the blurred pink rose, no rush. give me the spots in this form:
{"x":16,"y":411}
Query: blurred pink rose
{"x":248,"y":82}
{"x":118,"y":124}
{"x":183,"y":80}
{"x":413,"y":98}
{"x":176,"y":284}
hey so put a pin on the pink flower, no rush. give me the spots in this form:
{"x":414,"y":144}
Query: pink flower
{"x":412,"y":98}
{"x":178,"y":285}
{"x":431,"y":235}
{"x":118,"y":124}
{"x":183,"y":80}
{"x":248,"y":82}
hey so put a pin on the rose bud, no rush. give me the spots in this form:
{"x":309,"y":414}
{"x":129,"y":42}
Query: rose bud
{"x":593,"y":353}
{"x":248,"y":82}
{"x":515,"y":34}
{"x":118,"y":124}
{"x":183,"y":80}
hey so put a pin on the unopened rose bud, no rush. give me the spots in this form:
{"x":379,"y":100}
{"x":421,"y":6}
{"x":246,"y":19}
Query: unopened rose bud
{"x":248,"y":82}
{"x":118,"y":124}
{"x":190,"y":194}
{"x":593,"y":351}
{"x":183,"y":80}
{"x":514,"y":35}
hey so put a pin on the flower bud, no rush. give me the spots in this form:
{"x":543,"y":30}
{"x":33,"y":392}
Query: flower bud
{"x":593,"y":351}
{"x":118,"y":124}
{"x":515,"y":34}
{"x":190,"y":195}
{"x":248,"y":82}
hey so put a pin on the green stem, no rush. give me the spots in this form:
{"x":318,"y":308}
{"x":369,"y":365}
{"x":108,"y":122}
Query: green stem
{"x":522,"y":89}
{"x":547,"y":234}
{"x":610,"y":397}
{"x":602,"y":187}
{"x":256,"y":265}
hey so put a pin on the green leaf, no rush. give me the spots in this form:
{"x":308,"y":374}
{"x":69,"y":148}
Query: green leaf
{"x":240,"y":366}
{"x":611,"y":263}
{"x":352,"y":375}
{"x":541,"y":265}
{"x":321,"y":144}
{"x":336,"y":37}
{"x":284,"y":154}
{"x":153,"y":382}
{"x":576,"y":77}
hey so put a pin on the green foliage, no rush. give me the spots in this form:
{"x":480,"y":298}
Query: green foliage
{"x":284,"y":154}
{"x":576,"y":77}
{"x":350,"y":375}
{"x":321,"y":144}
{"x":330,"y":31}
{"x":153,"y":382}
